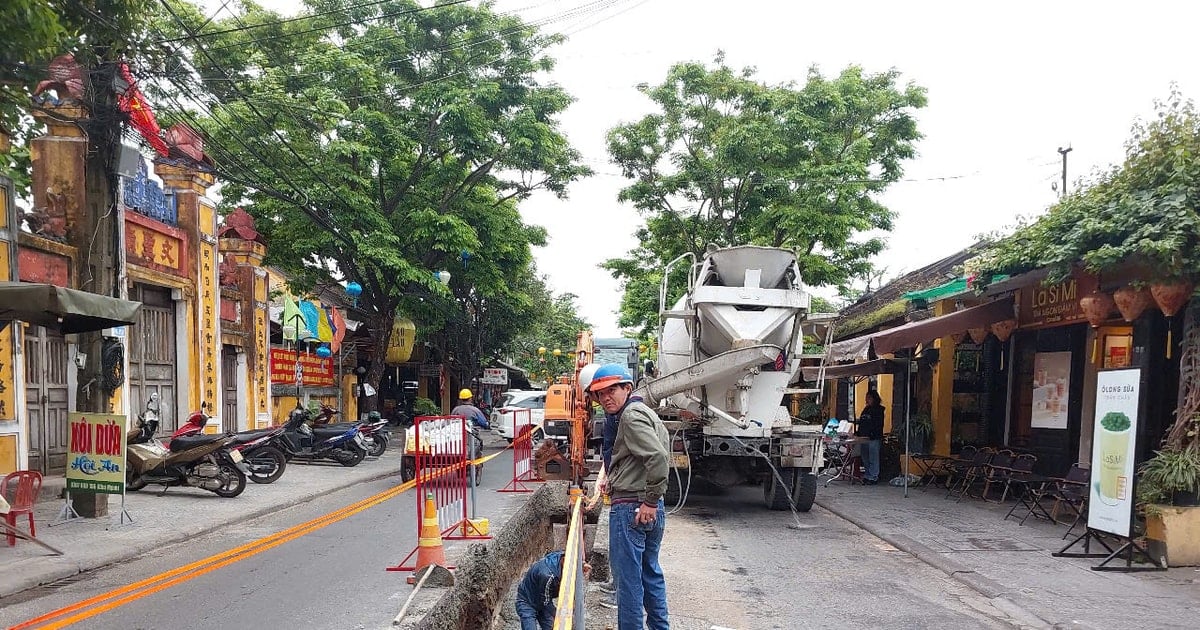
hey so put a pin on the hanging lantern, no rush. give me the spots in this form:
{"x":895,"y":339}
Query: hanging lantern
{"x":1131,"y":301}
{"x":557,"y":352}
{"x":978,"y":335}
{"x":324,"y":352}
{"x":1004,"y":329}
{"x":1096,"y":307}
{"x":542,"y":350}
{"x":1170,"y":298}
{"x":958,"y":337}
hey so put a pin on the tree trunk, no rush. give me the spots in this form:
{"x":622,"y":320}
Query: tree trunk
{"x":381,"y":333}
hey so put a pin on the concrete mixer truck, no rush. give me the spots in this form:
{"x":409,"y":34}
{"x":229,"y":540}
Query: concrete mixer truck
{"x":730,"y":352}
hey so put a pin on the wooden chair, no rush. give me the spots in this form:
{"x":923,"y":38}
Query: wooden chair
{"x":1016,"y":473}
{"x":29,"y":484}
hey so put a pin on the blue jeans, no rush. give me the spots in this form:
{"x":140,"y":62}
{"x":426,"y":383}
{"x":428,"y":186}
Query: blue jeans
{"x":870,"y":457}
{"x":535,"y":618}
{"x":633,"y":551}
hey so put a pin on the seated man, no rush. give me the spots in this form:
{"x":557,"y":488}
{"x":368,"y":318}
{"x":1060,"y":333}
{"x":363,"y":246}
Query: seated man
{"x":539,"y":588}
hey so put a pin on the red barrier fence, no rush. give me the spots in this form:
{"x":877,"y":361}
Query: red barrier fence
{"x":442,"y":449}
{"x":523,"y":469}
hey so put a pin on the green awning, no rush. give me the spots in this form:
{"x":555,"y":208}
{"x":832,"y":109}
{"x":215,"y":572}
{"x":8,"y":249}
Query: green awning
{"x":949,"y":289}
{"x":65,"y":310}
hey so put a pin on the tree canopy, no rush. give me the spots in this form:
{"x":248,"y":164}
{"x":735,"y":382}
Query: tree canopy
{"x":730,"y":160}
{"x":384,"y":142}
{"x":1143,"y":212}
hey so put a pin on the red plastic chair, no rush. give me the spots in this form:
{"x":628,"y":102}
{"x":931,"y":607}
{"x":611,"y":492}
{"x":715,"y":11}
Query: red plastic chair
{"x":29,"y":484}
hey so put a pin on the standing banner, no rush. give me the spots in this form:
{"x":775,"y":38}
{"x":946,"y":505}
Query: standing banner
{"x":96,"y":453}
{"x":1051,"y":390}
{"x":1114,"y":440}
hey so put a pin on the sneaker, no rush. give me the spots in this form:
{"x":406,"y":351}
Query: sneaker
{"x":608,"y":603}
{"x":607,"y":588}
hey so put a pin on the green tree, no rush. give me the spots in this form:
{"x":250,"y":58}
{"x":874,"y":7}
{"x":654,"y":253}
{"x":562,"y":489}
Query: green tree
{"x":383,"y":142}
{"x":729,"y":160}
{"x":554,"y":323}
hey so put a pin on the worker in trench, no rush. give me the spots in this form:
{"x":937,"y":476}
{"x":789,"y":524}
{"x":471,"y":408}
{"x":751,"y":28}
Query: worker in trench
{"x":538,"y":590}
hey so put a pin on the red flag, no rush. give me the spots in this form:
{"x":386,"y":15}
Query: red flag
{"x":339,"y":329}
{"x":141,"y":117}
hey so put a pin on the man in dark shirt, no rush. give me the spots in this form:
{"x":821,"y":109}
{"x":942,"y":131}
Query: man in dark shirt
{"x":870,"y":426}
{"x":539,"y":588}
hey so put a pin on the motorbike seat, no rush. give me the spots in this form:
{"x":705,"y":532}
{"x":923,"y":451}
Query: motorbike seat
{"x":187,"y":442}
{"x":249,"y":436}
{"x":325,"y":432}
{"x":340,"y":427}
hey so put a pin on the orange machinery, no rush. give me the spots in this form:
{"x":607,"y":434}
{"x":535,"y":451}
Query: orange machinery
{"x":566,"y":401}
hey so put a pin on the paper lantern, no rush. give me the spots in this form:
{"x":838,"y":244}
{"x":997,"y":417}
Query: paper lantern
{"x":1003,"y":330}
{"x":1131,"y":301}
{"x":978,"y":335}
{"x":1096,"y":307}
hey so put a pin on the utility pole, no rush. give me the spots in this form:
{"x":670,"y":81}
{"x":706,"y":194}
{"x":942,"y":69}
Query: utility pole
{"x":1063,"y":152}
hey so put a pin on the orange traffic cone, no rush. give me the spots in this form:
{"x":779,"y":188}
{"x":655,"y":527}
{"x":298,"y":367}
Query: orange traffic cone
{"x":429,"y":541}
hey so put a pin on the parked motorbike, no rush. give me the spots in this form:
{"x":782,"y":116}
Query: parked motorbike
{"x":342,"y":444}
{"x":374,"y":430}
{"x":262,"y":449}
{"x":201,"y":461}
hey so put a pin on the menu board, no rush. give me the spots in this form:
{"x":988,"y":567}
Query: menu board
{"x":1114,"y":442}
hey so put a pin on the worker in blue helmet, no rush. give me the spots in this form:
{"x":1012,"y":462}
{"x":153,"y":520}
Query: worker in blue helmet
{"x":636,"y":467}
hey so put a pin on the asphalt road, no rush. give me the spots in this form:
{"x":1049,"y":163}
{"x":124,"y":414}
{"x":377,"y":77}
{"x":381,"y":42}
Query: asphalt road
{"x":731,"y":563}
{"x":332,"y":578}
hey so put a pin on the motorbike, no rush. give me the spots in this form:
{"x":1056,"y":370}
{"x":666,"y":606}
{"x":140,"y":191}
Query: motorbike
{"x":264,"y":454}
{"x":374,"y":430}
{"x":342,"y":444}
{"x":208,"y":462}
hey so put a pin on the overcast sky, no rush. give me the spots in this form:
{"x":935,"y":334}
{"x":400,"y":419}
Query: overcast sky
{"x":1009,"y":83}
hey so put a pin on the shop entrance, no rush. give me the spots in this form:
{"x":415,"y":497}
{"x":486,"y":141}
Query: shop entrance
{"x":46,"y":396}
{"x":1048,"y":385}
{"x":152,"y":357}
{"x":229,"y":388}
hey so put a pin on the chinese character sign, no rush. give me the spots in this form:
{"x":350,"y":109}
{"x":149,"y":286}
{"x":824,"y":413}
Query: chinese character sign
{"x":96,"y":453}
{"x":313,"y":370}
{"x":1114,"y":443}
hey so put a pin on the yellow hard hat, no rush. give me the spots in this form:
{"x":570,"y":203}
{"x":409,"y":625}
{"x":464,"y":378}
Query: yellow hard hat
{"x":464,"y":394}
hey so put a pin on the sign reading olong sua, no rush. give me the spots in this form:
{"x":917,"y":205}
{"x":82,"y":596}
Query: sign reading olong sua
{"x":1114,"y":442}
{"x":96,"y":453}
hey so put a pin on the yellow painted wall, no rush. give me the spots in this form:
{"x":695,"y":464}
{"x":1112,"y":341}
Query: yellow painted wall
{"x":887,"y":395}
{"x":943,"y":385}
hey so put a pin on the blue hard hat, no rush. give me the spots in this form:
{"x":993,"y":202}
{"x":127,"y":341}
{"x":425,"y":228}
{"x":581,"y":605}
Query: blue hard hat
{"x":608,"y":375}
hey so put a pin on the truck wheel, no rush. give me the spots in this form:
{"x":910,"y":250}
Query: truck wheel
{"x":778,"y":496}
{"x":805,"y":490}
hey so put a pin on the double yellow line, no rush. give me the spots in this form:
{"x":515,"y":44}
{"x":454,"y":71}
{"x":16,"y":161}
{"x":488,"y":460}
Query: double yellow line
{"x":99,"y":604}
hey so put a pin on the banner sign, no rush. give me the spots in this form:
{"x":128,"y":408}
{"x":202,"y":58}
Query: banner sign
{"x":494,"y":376}
{"x":1051,"y":389}
{"x":96,"y":453}
{"x":315,"y":371}
{"x":1114,"y":442}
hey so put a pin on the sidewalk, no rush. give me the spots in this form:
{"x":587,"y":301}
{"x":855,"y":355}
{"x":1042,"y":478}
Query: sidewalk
{"x":180,"y":514}
{"x":1012,"y":565}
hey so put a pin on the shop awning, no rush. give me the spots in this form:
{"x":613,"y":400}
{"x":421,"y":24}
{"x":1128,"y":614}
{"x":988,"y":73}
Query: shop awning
{"x":949,"y":289}
{"x":68,"y":311}
{"x":924,"y":331}
{"x":853,"y":370}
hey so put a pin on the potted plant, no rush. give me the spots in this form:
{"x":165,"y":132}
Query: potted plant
{"x":920,"y":430}
{"x":1169,"y":494}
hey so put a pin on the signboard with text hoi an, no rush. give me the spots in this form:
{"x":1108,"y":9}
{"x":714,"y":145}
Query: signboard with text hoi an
{"x":95,"y":453}
{"x":315,"y":371}
{"x":1054,"y":304}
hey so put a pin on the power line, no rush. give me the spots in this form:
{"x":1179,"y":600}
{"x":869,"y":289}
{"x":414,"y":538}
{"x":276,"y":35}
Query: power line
{"x":247,"y":27}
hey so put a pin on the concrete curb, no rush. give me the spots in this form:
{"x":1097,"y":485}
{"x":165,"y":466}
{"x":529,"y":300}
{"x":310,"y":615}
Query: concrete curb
{"x":43,"y":570}
{"x":995,"y":592}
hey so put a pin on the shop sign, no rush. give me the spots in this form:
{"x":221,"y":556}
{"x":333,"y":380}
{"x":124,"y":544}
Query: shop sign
{"x":494,"y":376}
{"x":1110,"y":508}
{"x":96,"y":453}
{"x":314,"y":371}
{"x":1051,"y":390}
{"x":1055,"y":304}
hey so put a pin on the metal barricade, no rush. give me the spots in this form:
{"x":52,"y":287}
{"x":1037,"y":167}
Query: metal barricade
{"x":523,"y":469}
{"x":443,"y":453}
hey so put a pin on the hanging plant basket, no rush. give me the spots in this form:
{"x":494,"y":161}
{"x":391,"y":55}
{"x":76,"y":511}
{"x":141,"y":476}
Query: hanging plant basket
{"x":1132,"y":301}
{"x":1096,"y":307}
{"x":978,"y":335}
{"x":1003,"y":330}
{"x":1170,"y":297}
